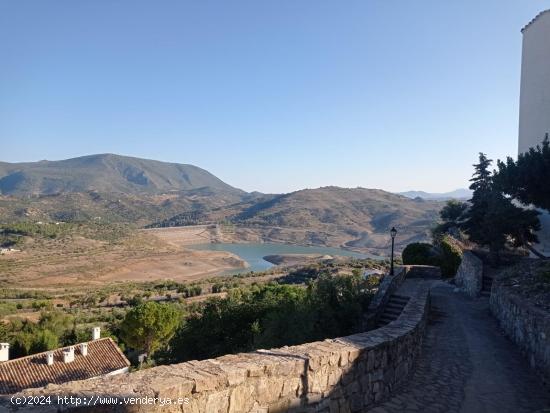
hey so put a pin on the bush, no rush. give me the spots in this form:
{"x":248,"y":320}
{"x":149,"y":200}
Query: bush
{"x":419,"y":253}
{"x":272,"y":315}
{"x":450,"y":257}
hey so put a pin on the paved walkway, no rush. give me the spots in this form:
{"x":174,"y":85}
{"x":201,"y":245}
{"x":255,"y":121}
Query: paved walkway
{"x":467,"y":365}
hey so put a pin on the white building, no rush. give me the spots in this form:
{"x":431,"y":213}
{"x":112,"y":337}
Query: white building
{"x":534,"y":112}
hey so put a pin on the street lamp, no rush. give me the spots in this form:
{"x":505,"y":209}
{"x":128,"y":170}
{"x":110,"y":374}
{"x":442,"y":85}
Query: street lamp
{"x":393,"y":233}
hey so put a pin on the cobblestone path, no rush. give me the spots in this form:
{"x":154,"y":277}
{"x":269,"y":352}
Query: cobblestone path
{"x":467,"y":365}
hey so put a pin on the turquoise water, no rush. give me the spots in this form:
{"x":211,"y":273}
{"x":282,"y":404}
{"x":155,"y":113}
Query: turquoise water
{"x":253,"y":253}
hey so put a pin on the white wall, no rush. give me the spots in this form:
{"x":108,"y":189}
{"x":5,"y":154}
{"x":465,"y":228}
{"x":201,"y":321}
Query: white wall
{"x":4,"y":351}
{"x":534,"y":108}
{"x":534,"y":113}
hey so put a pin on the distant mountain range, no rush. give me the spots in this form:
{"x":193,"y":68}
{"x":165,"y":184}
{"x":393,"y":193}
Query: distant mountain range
{"x":461,"y":193}
{"x":105,"y":173}
{"x":113,"y":188}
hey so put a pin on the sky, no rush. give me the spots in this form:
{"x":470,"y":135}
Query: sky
{"x":272,"y":96}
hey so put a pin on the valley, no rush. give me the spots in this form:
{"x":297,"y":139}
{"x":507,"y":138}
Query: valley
{"x":130,"y":219}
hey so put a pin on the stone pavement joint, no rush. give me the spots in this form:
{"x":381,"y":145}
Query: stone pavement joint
{"x":467,"y":365}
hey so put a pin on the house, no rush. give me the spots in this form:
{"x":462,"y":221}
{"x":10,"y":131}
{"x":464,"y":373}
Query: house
{"x":99,"y":357}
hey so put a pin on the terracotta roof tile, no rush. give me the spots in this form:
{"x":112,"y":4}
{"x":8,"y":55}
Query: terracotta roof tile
{"x":103,"y":357}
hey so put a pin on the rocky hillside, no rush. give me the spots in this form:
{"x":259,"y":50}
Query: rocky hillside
{"x":106,"y":173}
{"x":340,"y":217}
{"x":112,"y":188}
{"x":359,"y":218}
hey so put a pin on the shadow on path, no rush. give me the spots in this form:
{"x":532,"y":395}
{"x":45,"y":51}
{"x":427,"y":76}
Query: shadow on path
{"x":467,"y":365}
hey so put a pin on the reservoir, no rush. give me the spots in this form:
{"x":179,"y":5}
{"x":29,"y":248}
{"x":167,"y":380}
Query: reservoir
{"x":253,"y":253}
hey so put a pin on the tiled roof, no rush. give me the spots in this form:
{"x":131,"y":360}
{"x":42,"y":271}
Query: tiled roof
{"x":103,"y":357}
{"x":536,"y":17}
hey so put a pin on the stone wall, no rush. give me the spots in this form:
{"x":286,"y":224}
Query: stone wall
{"x":388,"y":286}
{"x":469,"y":277}
{"x":527,"y":325}
{"x":347,"y":374}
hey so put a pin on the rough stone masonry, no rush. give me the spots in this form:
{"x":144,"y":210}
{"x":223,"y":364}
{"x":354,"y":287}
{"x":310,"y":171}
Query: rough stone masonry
{"x":347,"y":374}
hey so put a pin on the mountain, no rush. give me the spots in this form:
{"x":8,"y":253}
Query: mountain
{"x":332,"y":216}
{"x":461,"y":193}
{"x":106,"y":173}
{"x":113,"y":188}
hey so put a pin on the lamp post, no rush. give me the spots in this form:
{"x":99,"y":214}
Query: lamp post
{"x":393,"y":233}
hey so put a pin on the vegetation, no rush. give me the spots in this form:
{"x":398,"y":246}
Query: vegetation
{"x":53,"y":330}
{"x":527,"y":178}
{"x":445,"y":254}
{"x":452,"y":216}
{"x":149,"y":325}
{"x":450,"y":256}
{"x":273,"y":315}
{"x":419,"y":253}
{"x":492,"y":218}
{"x":453,"y":212}
{"x":255,"y":310}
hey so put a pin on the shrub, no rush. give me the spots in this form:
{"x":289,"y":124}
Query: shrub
{"x":450,"y":256}
{"x":419,"y":253}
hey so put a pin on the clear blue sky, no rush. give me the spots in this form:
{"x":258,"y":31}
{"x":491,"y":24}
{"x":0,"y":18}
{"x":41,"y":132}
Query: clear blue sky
{"x":268,"y":95}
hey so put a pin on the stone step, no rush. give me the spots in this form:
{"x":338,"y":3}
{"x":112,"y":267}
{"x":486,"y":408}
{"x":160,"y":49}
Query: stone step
{"x":393,"y":311}
{"x":395,"y":306}
{"x":398,"y":301}
{"x":382,"y":323}
{"x":400,"y":297}
{"x":387,"y":318}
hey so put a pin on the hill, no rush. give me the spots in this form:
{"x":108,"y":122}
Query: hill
{"x":111,"y":188}
{"x":461,"y":193}
{"x":354,"y":218}
{"x":138,"y":209}
{"x":106,"y":173}
{"x":339,"y":217}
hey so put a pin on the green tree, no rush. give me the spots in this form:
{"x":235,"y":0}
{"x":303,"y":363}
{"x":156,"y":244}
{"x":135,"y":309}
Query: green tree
{"x":272,"y":315}
{"x":453,"y":212}
{"x":527,"y":178}
{"x":492,"y":218}
{"x":21,"y":344}
{"x":150,"y":325}
{"x":481,"y":185}
{"x":43,"y":340}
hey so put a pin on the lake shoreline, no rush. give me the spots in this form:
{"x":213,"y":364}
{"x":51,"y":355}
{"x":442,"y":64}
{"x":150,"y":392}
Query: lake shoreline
{"x":255,"y":254}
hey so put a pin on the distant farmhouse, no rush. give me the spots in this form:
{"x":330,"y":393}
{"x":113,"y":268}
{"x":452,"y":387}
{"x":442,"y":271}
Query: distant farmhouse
{"x":534,"y":112}
{"x":99,"y":357}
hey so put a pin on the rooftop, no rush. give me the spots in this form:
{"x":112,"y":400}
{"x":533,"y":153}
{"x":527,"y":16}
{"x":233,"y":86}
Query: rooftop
{"x":103,"y":357}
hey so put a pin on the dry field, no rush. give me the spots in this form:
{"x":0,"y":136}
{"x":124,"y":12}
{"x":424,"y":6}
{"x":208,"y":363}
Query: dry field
{"x":142,"y":255}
